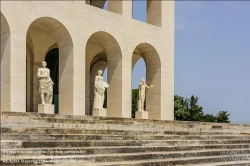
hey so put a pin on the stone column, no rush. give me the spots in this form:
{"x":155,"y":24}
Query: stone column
{"x":123,"y":7}
{"x":167,"y":52}
{"x":154,"y":12}
{"x":78,"y":98}
{"x":5,"y":66}
{"x":168,"y":17}
{"x":29,"y":79}
{"x":14,"y":79}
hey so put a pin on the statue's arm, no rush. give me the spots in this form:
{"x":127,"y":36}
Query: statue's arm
{"x":151,"y":86}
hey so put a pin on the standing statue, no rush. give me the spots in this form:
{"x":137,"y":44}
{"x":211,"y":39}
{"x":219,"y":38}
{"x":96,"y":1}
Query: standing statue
{"x":46,"y":84}
{"x":141,"y":95}
{"x":99,"y":90}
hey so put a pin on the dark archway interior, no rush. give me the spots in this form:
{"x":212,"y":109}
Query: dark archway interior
{"x":52,"y":59}
{"x":97,"y":3}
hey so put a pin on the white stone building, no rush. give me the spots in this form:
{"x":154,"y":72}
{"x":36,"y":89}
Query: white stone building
{"x":79,"y":38}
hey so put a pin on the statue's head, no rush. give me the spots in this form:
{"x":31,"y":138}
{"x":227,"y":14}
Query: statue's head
{"x":44,"y":63}
{"x":142,"y":80}
{"x":100,"y":72}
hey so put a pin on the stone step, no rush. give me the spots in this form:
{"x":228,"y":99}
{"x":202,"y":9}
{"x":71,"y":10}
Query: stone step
{"x":94,"y":143}
{"x":123,"y":126}
{"x":34,"y":137}
{"x":170,"y":158}
{"x":115,"y":149}
{"x":32,"y":130}
{"x":226,"y":163}
{"x":183,"y":124}
{"x":206,"y":133}
{"x":83,"y":126}
{"x":157,"y":162}
{"x":43,"y":130}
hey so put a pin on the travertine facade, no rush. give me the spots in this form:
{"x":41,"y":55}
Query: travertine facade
{"x":88,"y":39}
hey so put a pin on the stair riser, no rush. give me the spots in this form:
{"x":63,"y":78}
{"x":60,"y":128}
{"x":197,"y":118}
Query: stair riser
{"x":19,"y":144}
{"x":124,"y":126}
{"x":18,"y":130}
{"x":214,"y":158}
{"x":142,"y":121}
{"x":34,"y":137}
{"x":86,"y":151}
{"x":29,"y":130}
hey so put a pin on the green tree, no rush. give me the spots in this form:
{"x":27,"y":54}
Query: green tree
{"x":180,"y":108}
{"x":195,"y":111}
{"x":134,"y":100}
{"x":222,"y":117}
{"x":209,"y":118}
{"x":187,"y":109}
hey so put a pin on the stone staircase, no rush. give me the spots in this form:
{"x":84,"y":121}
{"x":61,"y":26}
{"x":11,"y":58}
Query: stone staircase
{"x":66,"y":140}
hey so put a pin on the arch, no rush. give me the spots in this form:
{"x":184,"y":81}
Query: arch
{"x":5,"y":65}
{"x":51,"y":47}
{"x":56,"y":36}
{"x":153,"y":77}
{"x":102,"y":50}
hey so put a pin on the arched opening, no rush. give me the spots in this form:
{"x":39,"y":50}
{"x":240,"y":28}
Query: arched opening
{"x":153,"y":77}
{"x":5,"y":65}
{"x":48,"y":40}
{"x":138,"y":72}
{"x":103,"y":51}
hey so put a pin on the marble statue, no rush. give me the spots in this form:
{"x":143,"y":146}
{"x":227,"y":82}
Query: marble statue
{"x":141,"y":95}
{"x":99,"y":90}
{"x":46,"y":84}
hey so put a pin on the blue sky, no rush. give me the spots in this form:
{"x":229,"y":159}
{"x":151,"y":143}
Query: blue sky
{"x":212,"y":55}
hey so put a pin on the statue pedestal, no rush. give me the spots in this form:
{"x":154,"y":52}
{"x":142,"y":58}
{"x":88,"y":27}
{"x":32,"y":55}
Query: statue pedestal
{"x":99,"y":112}
{"x":141,"y":115}
{"x":46,"y":108}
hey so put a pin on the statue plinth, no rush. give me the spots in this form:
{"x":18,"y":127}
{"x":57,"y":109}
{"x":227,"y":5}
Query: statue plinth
{"x":99,"y":112}
{"x":141,"y":115}
{"x":46,"y":108}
